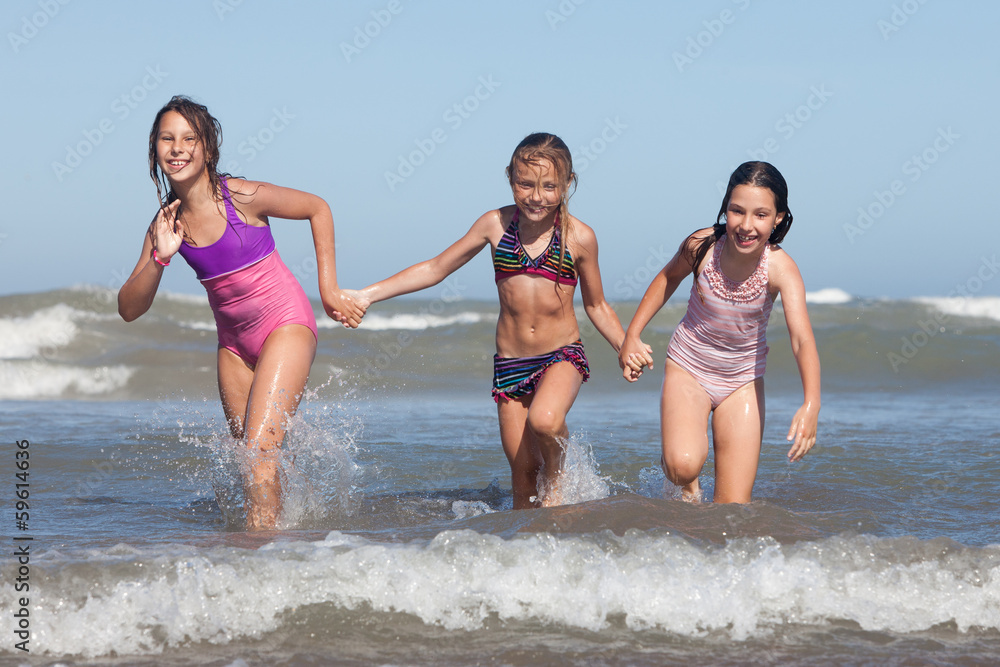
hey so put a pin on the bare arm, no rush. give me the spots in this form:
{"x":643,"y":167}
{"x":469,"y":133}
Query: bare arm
{"x":599,"y":311}
{"x":786,"y":278}
{"x":432,"y":271}
{"x":267,"y":200}
{"x":164,"y":235}
{"x":636,"y":355}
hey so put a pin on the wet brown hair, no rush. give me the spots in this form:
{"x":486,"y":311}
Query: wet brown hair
{"x":756,"y":174}
{"x":209,"y":133}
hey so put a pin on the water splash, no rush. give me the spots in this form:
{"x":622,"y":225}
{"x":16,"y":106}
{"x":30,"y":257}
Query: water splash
{"x":316,"y":463}
{"x":580,"y":480}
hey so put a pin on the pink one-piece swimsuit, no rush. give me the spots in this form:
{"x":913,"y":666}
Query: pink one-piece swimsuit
{"x":250,"y":289}
{"x":722,"y":339}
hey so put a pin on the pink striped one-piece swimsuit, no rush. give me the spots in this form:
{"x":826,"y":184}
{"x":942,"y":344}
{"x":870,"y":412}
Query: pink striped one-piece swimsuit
{"x":722,"y":340}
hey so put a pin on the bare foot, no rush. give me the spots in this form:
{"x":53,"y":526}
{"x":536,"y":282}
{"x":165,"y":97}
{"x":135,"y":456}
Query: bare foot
{"x":552,"y":495}
{"x":689,"y":493}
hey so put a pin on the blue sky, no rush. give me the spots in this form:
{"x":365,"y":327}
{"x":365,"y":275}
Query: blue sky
{"x":402,"y":115}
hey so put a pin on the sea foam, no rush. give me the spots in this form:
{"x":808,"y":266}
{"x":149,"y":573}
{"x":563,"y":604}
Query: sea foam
{"x":23,"y":380}
{"x":142,"y":602}
{"x":415,"y":322}
{"x":986,"y":307}
{"x":828,"y":296}
{"x":42,"y":331}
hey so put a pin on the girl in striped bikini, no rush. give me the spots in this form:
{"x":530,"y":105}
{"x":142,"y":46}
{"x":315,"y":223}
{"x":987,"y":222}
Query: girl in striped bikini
{"x":716,"y":357}
{"x":540,"y":254}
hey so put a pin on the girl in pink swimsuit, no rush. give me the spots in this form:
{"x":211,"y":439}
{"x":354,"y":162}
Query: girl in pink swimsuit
{"x":717,"y":355}
{"x":266,"y":326}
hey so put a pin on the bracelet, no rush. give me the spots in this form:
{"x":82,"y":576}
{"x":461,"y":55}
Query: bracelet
{"x":158,"y":261}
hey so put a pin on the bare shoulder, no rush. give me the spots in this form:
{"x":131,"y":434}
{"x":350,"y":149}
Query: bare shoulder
{"x":244,"y":188}
{"x":780,"y":261}
{"x":783,"y":272}
{"x":581,"y":237}
{"x":490,"y":226}
{"x":497,"y":219}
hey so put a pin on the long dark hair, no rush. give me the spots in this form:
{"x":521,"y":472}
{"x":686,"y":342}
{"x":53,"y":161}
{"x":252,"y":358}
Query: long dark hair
{"x":209,"y":133}
{"x":760,"y":175}
{"x":545,"y":146}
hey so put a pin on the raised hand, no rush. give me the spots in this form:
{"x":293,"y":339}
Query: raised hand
{"x":168,"y":231}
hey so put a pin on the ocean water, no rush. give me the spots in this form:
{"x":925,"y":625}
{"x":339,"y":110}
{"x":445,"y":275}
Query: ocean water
{"x":397,"y":545}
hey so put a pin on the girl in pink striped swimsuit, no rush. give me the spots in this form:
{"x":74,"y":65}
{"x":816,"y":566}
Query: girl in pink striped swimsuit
{"x":266,"y":326}
{"x":716,"y":357}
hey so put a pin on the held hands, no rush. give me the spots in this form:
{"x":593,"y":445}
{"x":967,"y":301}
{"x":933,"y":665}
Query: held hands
{"x":802,"y":433}
{"x":168,"y":232}
{"x":340,"y":306}
{"x":359,"y":298}
{"x":633,"y":356}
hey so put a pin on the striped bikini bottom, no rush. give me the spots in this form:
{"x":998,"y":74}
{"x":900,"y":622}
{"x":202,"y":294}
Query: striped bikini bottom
{"x":514,"y":377}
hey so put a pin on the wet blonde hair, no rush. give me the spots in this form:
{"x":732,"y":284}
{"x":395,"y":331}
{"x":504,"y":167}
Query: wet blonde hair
{"x":544,"y":146}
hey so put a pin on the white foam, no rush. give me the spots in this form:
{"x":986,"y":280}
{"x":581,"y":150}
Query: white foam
{"x":828,"y":296}
{"x":38,"y":379}
{"x":463,"y":509}
{"x":415,"y":322}
{"x":987,"y":307}
{"x":41,"y":332}
{"x":147,"y":601}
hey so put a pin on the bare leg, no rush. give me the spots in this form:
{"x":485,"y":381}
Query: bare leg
{"x":553,"y":398}
{"x":684,"y":411}
{"x":738,"y":428}
{"x":257,"y":403}
{"x":531,"y":430}
{"x":524,"y":460}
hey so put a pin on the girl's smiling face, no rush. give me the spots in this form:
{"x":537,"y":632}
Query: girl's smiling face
{"x":537,"y":189}
{"x":751,"y":217}
{"x":179,"y":151}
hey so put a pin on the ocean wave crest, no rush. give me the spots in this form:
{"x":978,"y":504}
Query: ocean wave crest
{"x":145,"y":602}
{"x":985,"y":307}
{"x":417,"y":322}
{"x":38,"y":379}
{"x":45,"y":329}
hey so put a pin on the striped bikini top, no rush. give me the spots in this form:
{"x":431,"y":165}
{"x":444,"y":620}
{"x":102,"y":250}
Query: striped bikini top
{"x":510,"y":258}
